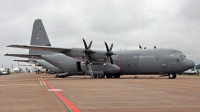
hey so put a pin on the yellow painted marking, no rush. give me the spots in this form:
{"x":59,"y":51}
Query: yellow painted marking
{"x":41,"y":81}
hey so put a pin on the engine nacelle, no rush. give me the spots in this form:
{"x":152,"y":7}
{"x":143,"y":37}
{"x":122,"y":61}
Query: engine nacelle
{"x":111,"y":69}
{"x":102,"y":69}
{"x":79,"y":54}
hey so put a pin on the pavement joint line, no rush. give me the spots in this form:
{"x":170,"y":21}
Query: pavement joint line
{"x":19,"y":85}
{"x":170,"y":83}
{"x":18,"y":80}
{"x":156,"y":87}
{"x":65,"y":100}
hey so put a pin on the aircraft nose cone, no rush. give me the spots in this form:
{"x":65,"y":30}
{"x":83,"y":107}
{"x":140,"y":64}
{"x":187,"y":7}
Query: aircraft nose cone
{"x":188,"y":64}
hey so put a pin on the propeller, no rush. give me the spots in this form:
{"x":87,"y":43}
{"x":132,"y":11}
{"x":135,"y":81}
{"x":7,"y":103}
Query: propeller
{"x":140,"y":46}
{"x":109,"y":52}
{"x":88,"y":50}
{"x":154,"y":47}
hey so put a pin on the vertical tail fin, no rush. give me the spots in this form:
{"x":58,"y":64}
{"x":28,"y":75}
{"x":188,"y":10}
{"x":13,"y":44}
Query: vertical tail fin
{"x":39,"y":37}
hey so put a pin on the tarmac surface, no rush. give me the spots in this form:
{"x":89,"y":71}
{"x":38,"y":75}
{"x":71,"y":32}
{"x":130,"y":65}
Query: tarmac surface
{"x":30,"y":92}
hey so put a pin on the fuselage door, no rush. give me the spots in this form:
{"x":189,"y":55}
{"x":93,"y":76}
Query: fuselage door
{"x":128,"y":64}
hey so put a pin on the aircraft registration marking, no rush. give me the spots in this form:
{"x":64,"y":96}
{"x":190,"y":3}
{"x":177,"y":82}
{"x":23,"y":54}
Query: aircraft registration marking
{"x":143,"y":56}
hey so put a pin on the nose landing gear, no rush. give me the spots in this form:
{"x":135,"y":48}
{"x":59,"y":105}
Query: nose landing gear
{"x":172,"y":76}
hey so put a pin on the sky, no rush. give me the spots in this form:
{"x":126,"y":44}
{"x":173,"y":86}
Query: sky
{"x":125,"y":23}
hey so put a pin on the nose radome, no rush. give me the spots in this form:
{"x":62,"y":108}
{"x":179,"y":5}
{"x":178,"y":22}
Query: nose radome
{"x":188,"y":64}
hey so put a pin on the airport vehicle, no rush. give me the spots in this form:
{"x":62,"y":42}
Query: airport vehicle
{"x":198,"y":68}
{"x":191,"y":71}
{"x":165,"y":62}
{"x":5,"y":73}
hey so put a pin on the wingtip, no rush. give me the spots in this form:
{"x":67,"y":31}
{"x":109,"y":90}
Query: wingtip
{"x":9,"y":45}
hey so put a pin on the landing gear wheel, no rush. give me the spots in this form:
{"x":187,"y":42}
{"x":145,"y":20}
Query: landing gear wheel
{"x":108,"y":76}
{"x":116,"y":75}
{"x":101,"y":76}
{"x":95,"y":77}
{"x":172,"y":76}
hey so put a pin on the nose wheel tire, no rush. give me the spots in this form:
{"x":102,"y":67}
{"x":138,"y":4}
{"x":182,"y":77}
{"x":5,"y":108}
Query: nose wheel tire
{"x":108,"y":76}
{"x":172,"y":76}
{"x":116,"y":75}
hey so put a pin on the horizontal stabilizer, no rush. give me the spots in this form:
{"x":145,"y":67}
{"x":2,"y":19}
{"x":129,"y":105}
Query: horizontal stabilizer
{"x":24,"y":56}
{"x":24,"y":60}
{"x":41,"y":48}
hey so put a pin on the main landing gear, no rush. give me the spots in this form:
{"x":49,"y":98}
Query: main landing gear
{"x":115,"y":76}
{"x":172,"y":76}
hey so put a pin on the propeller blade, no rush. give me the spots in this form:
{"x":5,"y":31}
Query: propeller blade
{"x":154,"y":47}
{"x":111,"y":60}
{"x":111,"y":47}
{"x":140,"y":47}
{"x":85,"y":44}
{"x":106,"y":47}
{"x":90,"y":45}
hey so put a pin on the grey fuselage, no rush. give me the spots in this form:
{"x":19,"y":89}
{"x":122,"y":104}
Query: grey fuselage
{"x":49,"y":66}
{"x":143,"y":61}
{"x":46,"y":65}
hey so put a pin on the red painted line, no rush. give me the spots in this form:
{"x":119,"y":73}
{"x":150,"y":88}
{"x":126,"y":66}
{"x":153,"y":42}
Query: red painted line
{"x":121,"y":62}
{"x":67,"y":102}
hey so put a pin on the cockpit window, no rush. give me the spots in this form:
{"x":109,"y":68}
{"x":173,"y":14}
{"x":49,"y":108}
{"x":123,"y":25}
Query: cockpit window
{"x":177,"y":53}
{"x":174,"y":53}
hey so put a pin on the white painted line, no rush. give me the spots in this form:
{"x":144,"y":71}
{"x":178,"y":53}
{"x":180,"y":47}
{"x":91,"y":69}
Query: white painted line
{"x":54,"y":90}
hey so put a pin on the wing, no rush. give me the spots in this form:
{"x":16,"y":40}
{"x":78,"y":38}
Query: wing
{"x":42,"y":48}
{"x":24,"y":56}
{"x":78,"y":53}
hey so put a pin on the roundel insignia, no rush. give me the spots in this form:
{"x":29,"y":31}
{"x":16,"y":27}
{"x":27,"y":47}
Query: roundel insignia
{"x":37,"y":36}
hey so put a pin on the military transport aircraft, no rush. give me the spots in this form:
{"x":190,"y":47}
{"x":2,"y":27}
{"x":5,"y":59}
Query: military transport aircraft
{"x":166,"y":62}
{"x":39,"y":37}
